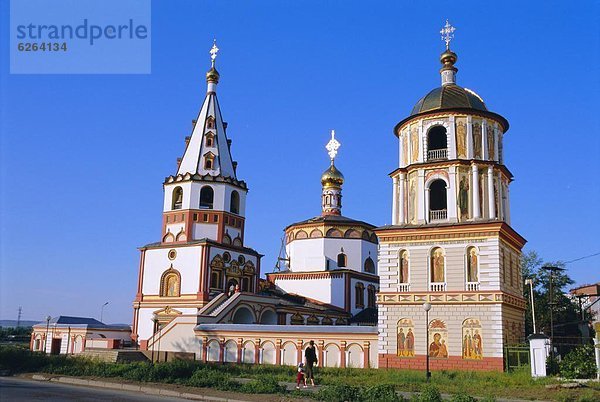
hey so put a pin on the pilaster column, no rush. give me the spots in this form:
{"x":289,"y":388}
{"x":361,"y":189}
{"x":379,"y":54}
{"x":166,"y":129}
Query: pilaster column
{"x":451,"y":135}
{"x":470,"y":153}
{"x":221,"y":350}
{"x":484,"y":141}
{"x":491,"y":198}
{"x":400,"y":149}
{"x":366,"y":353}
{"x":507,"y":205}
{"x":278,"y":352}
{"x":475,"y":191}
{"x":401,"y":195}
{"x":496,"y":143}
{"x":299,"y":344}
{"x":420,"y":200}
{"x":451,"y":195}
{"x":427,"y":218}
{"x":422,"y":143}
{"x":240,"y":343}
{"x":395,"y":200}
{"x":320,"y":351}
{"x":343,"y":345}
{"x":256,"y":351}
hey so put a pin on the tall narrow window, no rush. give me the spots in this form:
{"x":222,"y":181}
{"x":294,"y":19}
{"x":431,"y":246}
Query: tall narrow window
{"x":472,"y":265}
{"x":177,"y":200}
{"x":210,"y":140}
{"x":437,"y":143}
{"x":359,"y":296}
{"x":371,"y":298}
{"x":170,"y":283}
{"x":207,"y":196}
{"x":369,"y":265}
{"x":438,"y":201}
{"x":437,"y":273}
{"x":342,"y":260}
{"x":234,"y":204}
{"x":403,"y":269}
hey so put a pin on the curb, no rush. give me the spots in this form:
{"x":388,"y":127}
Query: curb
{"x":149,"y":390}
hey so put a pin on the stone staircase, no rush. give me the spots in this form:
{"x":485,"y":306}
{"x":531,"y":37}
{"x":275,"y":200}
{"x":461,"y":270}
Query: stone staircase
{"x":115,"y":355}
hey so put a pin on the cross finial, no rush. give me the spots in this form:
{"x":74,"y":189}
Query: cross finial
{"x":332,"y":146}
{"x":213,"y":52}
{"x":447,"y":33}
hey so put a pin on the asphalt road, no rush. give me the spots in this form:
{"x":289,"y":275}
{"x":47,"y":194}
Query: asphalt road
{"x":18,"y":389}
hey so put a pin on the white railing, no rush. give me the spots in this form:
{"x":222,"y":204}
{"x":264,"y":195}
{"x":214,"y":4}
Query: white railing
{"x":439,"y":215}
{"x":472,"y":286}
{"x":437,"y":286}
{"x":437,"y":154}
{"x":403,"y":287}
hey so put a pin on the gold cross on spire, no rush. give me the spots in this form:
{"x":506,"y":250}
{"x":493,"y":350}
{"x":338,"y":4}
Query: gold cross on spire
{"x":447,"y":34}
{"x":213,"y":52}
{"x":332,"y":146}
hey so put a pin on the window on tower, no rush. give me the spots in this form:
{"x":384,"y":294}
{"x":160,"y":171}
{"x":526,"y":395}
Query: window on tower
{"x":342,"y":260}
{"x":359,"y":296}
{"x":210,"y":140}
{"x":438,"y":201}
{"x":177,"y":200}
{"x":234,"y":204}
{"x":207,"y":195}
{"x":369,"y":265}
{"x":437,"y":143}
{"x":371,"y":297}
{"x":208,"y":163}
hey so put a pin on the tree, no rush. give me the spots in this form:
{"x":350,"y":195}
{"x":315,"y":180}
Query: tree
{"x":566,"y":317}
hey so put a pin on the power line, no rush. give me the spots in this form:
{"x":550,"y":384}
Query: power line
{"x":582,"y":258}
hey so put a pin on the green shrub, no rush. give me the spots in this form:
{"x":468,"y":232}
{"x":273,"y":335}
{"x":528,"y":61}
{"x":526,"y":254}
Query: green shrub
{"x":462,"y":397}
{"x":579,"y":363}
{"x":206,"y":377}
{"x":339,"y":393}
{"x":380,"y":393}
{"x":429,"y":394}
{"x":265,"y":385}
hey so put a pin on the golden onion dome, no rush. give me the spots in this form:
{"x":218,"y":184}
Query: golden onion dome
{"x":448,"y":58}
{"x":332,"y":177}
{"x":212,"y":75}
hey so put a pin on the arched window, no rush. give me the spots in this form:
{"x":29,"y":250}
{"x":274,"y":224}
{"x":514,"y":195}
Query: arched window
{"x":369,"y":265}
{"x":437,"y":274}
{"x":210,"y":140}
{"x":371,"y":298}
{"x":438,"y":201}
{"x":209,"y":162}
{"x":437,"y":143}
{"x":207,"y":195}
{"x":342,"y":260}
{"x":177,"y":199}
{"x":170,"y":283}
{"x":359,"y":295}
{"x":234,"y":204}
{"x":215,"y":279}
{"x":210,"y":122}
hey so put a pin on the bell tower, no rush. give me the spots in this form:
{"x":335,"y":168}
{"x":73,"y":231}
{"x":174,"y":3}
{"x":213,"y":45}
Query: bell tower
{"x":450,"y":243}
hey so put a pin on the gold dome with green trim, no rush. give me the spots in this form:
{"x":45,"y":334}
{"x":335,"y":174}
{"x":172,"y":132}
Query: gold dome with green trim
{"x":332,"y":177}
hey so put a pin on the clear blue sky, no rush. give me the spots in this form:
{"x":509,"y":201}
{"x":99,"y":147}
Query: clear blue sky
{"x":84,"y":156}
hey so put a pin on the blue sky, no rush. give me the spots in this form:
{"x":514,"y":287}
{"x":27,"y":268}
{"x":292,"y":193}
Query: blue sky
{"x":84,"y":156}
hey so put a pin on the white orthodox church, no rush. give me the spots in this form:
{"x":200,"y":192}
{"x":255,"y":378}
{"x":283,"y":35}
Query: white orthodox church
{"x":358,"y":291}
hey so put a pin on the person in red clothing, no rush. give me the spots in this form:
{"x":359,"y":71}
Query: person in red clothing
{"x":300,"y":378}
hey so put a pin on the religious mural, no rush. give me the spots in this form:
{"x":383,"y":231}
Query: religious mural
{"x":497,"y":198}
{"x":414,"y":141}
{"x":406,"y":338}
{"x":461,"y":138}
{"x":472,"y":343}
{"x":490,"y":141}
{"x":438,"y":337}
{"x":463,"y":193}
{"x":437,"y":265}
{"x":412,"y":197}
{"x":482,"y":194}
{"x":403,"y":269}
{"x":477,"y":140}
{"x":472,"y":265}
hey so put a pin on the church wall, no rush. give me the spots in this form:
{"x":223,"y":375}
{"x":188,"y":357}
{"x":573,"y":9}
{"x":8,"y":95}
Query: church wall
{"x":204,"y":230}
{"x":181,"y":337}
{"x":325,"y":290}
{"x":157,"y":262}
{"x":307,"y":255}
{"x":310,"y":255}
{"x":145,"y":323}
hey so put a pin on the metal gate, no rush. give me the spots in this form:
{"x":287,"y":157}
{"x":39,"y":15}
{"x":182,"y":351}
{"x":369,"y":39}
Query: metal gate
{"x":515,"y":357}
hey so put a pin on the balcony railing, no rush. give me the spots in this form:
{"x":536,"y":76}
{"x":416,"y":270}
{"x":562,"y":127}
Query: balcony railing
{"x":472,"y":286}
{"x":439,"y":215}
{"x":403,"y":287}
{"x":437,"y":154}
{"x":437,"y":287}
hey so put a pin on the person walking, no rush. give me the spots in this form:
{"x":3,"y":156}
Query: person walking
{"x":310,"y":354}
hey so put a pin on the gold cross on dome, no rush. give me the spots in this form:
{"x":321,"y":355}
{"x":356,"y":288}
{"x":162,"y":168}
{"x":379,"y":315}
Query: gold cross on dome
{"x":213,"y":52}
{"x":332,"y":146}
{"x":447,"y":34}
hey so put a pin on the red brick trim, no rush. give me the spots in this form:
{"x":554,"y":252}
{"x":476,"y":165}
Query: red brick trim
{"x":418,"y":362}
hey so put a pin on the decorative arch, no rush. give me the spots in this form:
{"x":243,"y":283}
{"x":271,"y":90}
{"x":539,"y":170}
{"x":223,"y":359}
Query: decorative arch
{"x":237,"y":241}
{"x":177,"y":198}
{"x":210,"y":122}
{"x":301,"y":234}
{"x":354,"y":356}
{"x":352,"y":234}
{"x":170,"y":283}
{"x":316,"y":233}
{"x":333,"y":232}
{"x":209,"y":161}
{"x":230,"y":351}
{"x":342,"y":259}
{"x":472,"y":341}
{"x":374,"y":238}
{"x":369,"y":265}
{"x":268,"y":317}
{"x":289,"y":353}
{"x":213,"y":350}
{"x":78,"y":344}
{"x":168,"y":238}
{"x":243,"y":315}
{"x":226,"y":239}
{"x":437,"y":265}
{"x":234,"y":202}
{"x":472,"y":264}
{"x":331,"y":355}
{"x":406,"y":337}
{"x":248,"y":355}
{"x":403,"y":267}
{"x":209,"y":139}
{"x":267,"y":353}
{"x":438,"y":200}
{"x":216,"y":272}
{"x":181,"y":236}
{"x":365,"y":235}
{"x":207,"y":196}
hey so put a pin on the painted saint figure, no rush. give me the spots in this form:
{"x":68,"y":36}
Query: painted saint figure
{"x":414,"y":139}
{"x":404,"y":267}
{"x":461,"y":140}
{"x":410,"y":343}
{"x":463,"y":198}
{"x":477,"y":140}
{"x":437,"y":266}
{"x":472,"y":275}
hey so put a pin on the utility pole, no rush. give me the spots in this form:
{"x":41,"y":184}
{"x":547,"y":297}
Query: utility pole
{"x":552,"y":271}
{"x":19,"y":317}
